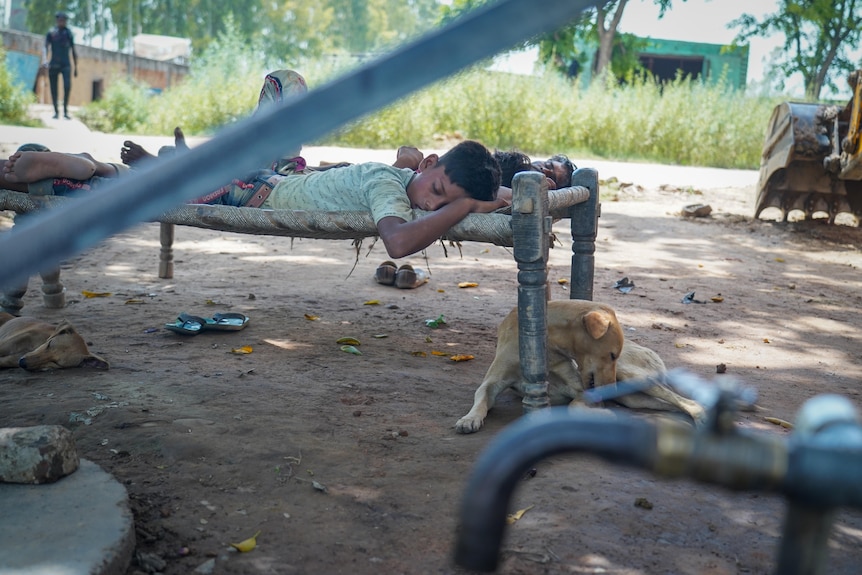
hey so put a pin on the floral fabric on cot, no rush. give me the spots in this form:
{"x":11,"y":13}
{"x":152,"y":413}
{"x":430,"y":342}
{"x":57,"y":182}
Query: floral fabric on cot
{"x":277,"y":87}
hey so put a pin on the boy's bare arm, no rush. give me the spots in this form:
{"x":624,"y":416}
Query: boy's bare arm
{"x":403,"y":238}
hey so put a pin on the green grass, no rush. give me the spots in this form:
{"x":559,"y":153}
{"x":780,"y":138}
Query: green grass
{"x":682,"y":122}
{"x":14,"y":101}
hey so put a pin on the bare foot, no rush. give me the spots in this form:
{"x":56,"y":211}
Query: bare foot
{"x":132,"y":153}
{"x":180,"y":140}
{"x":28,"y":167}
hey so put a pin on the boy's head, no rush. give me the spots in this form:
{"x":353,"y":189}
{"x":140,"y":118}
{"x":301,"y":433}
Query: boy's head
{"x":559,"y":168}
{"x":471,"y":166}
{"x":512,"y":163}
{"x":467,"y":170}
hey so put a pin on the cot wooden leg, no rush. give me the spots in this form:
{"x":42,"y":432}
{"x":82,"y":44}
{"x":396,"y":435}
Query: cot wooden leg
{"x":11,"y":301}
{"x":585,"y":223}
{"x":53,"y":291}
{"x":166,"y":255}
{"x":531,"y":227}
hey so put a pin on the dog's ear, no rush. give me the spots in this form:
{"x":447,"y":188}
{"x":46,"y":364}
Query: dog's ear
{"x":64,"y":327}
{"x":94,"y":361}
{"x":597,"y":323}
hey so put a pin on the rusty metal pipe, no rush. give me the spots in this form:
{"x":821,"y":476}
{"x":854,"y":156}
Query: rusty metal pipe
{"x":534,"y":437}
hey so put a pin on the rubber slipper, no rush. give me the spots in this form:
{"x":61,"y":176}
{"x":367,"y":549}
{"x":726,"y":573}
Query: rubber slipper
{"x":218,"y":322}
{"x":227,"y":322}
{"x":408,"y":277}
{"x":187,"y":325}
{"x":385,"y":273}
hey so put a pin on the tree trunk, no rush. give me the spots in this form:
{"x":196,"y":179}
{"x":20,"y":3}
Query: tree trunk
{"x":606,"y":36}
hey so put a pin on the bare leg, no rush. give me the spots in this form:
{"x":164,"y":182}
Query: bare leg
{"x":27,"y":167}
{"x":103,"y":170}
{"x":180,"y":140}
{"x":131,"y":153}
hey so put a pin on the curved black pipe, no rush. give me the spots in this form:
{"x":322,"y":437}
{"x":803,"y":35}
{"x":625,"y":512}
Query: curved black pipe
{"x":541,"y":434}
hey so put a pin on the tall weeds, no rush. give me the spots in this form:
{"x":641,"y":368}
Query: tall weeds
{"x":681,"y":122}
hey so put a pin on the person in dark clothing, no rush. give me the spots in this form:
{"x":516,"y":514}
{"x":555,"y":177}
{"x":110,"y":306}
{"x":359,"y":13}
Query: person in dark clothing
{"x":59,"y":42}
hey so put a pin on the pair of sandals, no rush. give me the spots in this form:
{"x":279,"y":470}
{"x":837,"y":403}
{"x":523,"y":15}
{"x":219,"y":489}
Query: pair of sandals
{"x":405,"y":277}
{"x":187,"y":324}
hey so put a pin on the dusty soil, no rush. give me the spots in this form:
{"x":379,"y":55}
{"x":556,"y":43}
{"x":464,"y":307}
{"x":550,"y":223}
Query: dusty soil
{"x":214,"y":446}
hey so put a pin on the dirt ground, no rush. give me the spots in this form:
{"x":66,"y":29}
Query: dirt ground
{"x":214,"y":446}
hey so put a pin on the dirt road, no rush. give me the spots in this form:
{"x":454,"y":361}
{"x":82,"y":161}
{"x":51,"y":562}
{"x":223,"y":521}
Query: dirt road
{"x":214,"y":446}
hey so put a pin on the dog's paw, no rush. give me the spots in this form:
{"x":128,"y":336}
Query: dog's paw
{"x":469,"y":424}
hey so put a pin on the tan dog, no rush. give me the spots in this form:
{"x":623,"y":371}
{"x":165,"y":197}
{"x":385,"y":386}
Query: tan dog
{"x":586,"y":349}
{"x":36,"y":345}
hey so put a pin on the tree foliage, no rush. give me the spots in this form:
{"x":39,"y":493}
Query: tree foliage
{"x":817,"y":36}
{"x":289,"y":29}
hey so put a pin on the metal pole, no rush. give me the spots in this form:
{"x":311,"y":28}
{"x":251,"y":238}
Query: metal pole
{"x":50,"y":237}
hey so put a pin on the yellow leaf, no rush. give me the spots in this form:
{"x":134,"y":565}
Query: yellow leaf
{"x":562,"y":281}
{"x":443,"y":353}
{"x":512,"y":517}
{"x":86,"y":293}
{"x":468,"y":285}
{"x":781,"y":422}
{"x":310,"y":317}
{"x":717,"y":299}
{"x":441,"y":290}
{"x":679,"y":345}
{"x":419,"y":354}
{"x":131,"y":301}
{"x":246,"y":545}
{"x":348,"y":341}
{"x":780,"y":260}
{"x":241,"y":350}
{"x":372,"y":302}
{"x":461,"y":357}
{"x":766,"y":340}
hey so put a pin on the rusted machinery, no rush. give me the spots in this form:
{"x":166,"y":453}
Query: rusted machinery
{"x":812,"y":159}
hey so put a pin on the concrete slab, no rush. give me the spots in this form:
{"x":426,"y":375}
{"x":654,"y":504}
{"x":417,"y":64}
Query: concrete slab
{"x":80,"y":525}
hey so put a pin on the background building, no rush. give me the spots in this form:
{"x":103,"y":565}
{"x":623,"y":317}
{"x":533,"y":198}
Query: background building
{"x":97,"y":68}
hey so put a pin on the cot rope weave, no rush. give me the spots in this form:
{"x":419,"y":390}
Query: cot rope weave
{"x":492,"y":228}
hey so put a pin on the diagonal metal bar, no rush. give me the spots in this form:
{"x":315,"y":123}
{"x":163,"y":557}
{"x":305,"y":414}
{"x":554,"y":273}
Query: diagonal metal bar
{"x":50,"y":237}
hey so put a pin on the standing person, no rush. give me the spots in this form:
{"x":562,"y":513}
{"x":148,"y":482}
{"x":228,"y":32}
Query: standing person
{"x":60,"y":42}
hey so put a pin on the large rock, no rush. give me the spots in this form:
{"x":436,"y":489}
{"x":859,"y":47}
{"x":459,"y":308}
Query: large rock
{"x":39,"y":454}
